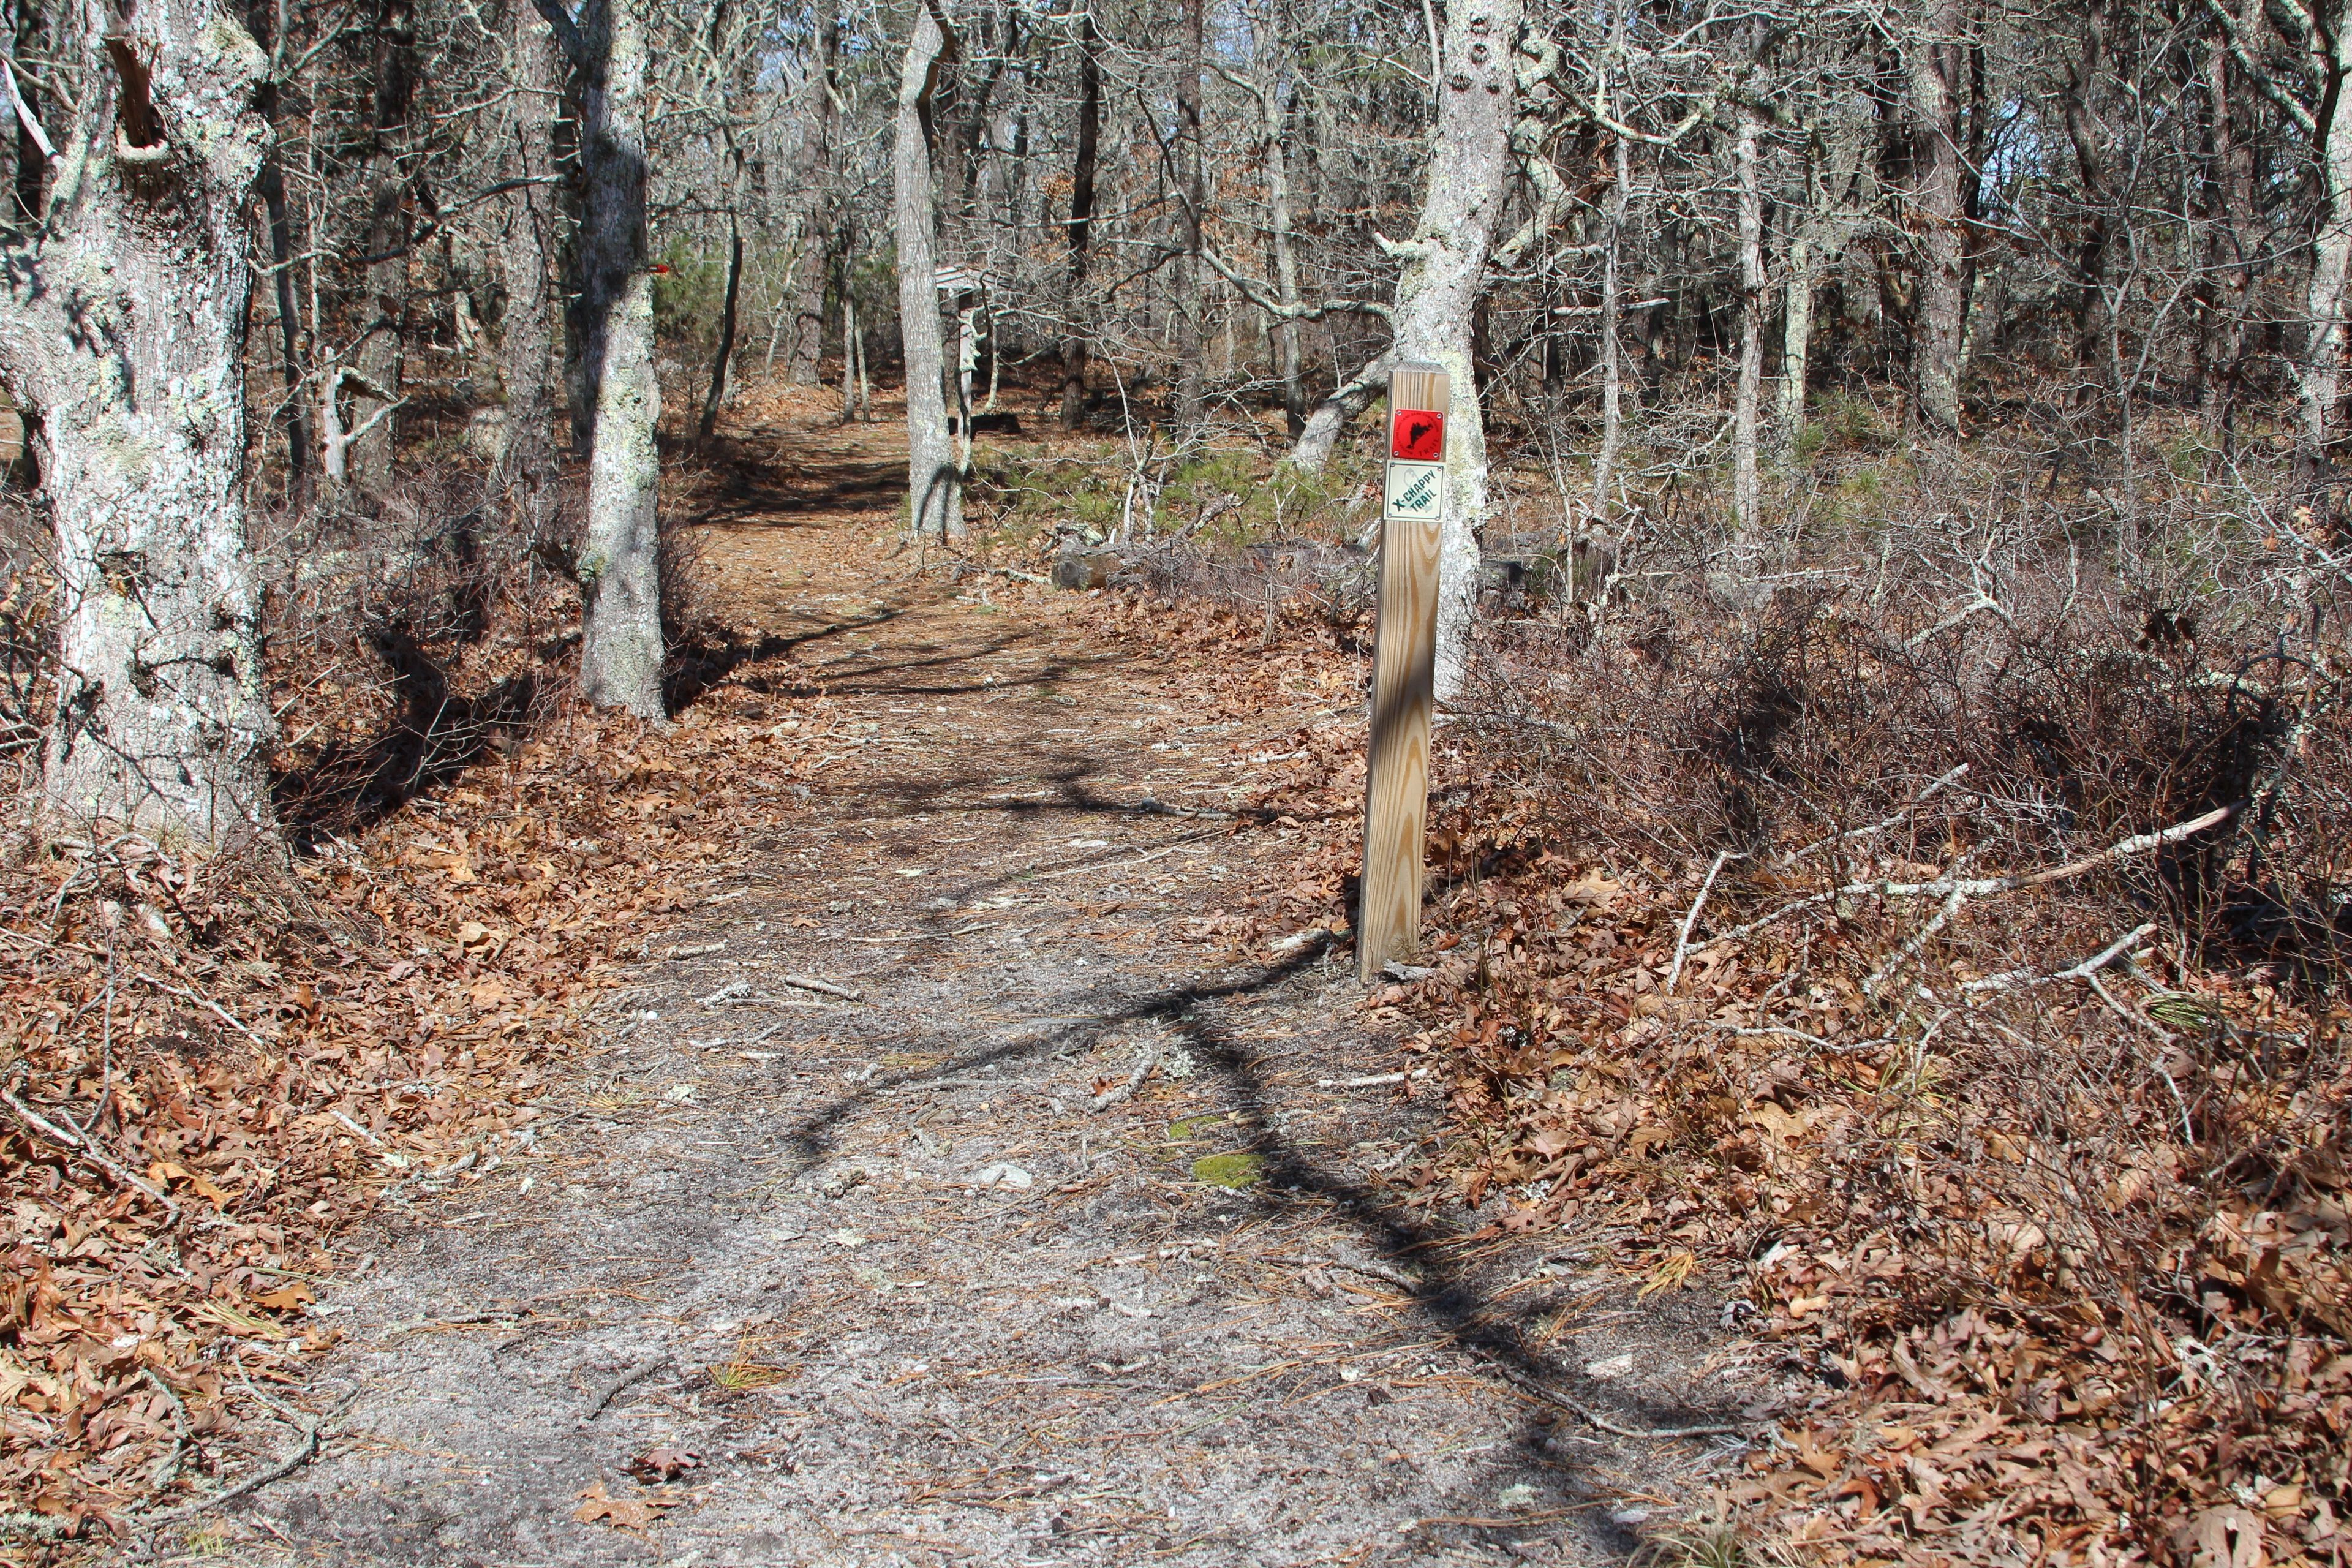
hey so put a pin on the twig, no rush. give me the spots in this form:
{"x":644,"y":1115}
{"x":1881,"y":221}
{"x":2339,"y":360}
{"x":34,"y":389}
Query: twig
{"x":1985,"y":886}
{"x":218,"y":1011}
{"x":168,"y":1470}
{"x":2018,"y":979}
{"x":1876,"y":828}
{"x":827,"y":987}
{"x":1830,"y":1046}
{"x":732,"y":988}
{"x":88,"y":1152}
{"x":1919,"y":939}
{"x":639,"y":1373}
{"x":1682,"y":938}
{"x":1380,"y":1271}
{"x":1112,"y":1096}
{"x":1551,"y":1396}
{"x":302,"y":1453}
{"x":462,"y":1321}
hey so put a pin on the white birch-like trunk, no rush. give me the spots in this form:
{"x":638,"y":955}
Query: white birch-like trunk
{"x":1747,"y":487}
{"x":1613,"y":295}
{"x":1445,"y":273}
{"x":2319,"y":370}
{"x":1796,"y":343}
{"x":620,"y":561}
{"x":123,"y":330}
{"x":934,"y":482}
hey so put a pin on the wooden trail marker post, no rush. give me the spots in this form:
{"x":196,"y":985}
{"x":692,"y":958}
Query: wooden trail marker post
{"x":1404,"y":667}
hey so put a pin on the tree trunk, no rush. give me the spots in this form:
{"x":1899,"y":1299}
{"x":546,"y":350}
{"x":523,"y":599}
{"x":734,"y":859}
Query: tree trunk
{"x":1438,"y":292}
{"x":1935,"y":57}
{"x":1612,"y":289}
{"x":1282,"y":242}
{"x":620,"y":570}
{"x":2233,"y":198}
{"x":1796,"y":343}
{"x":160,"y":723}
{"x":2319,"y":369}
{"x":1746,"y":489}
{"x":2090,"y":142}
{"x":934,"y":483}
{"x":816,"y":147}
{"x":382,"y":348}
{"x":527,"y":254}
{"x":1082,"y":214}
{"x":718,"y":395}
{"x":1194,"y":194}
{"x":32,"y":164}
{"x":301,"y":441}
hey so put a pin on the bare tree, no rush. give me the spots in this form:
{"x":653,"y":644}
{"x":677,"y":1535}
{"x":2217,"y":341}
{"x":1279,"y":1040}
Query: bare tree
{"x":620,"y":572}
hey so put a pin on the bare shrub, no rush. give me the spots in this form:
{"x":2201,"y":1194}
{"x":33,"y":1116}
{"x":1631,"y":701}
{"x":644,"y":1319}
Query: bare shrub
{"x":1959,"y":954}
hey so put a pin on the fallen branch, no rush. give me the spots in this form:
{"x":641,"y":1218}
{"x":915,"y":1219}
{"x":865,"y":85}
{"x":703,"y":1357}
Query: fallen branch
{"x":1379,"y":1271}
{"x":1876,"y":828}
{"x":83,"y":1149}
{"x":636,"y":1373}
{"x":826,"y":987}
{"x":1112,"y":1096}
{"x":1552,"y":1396}
{"x":223,"y":1014}
{"x":1986,"y":887}
{"x":1919,"y":939}
{"x":2019,"y":979}
{"x":304,"y":1452}
{"x":1682,"y":938}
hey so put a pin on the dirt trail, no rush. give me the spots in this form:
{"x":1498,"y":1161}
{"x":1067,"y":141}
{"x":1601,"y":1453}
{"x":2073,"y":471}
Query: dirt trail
{"x":890,"y":1269}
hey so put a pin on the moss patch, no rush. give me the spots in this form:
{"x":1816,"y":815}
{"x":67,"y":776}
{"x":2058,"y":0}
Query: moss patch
{"x":1235,"y":1171}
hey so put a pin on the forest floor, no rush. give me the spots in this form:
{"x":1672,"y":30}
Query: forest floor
{"x":932,"y":1262}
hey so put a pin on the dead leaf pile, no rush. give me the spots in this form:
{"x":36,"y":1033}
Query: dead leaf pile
{"x":216,"y":1067}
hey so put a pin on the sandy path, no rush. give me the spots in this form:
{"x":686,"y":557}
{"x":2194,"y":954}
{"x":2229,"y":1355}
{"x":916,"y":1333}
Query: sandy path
{"x":887,"y":1270}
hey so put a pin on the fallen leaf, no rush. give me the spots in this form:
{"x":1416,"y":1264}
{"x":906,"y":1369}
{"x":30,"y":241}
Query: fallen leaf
{"x":664,"y":1464}
{"x":620,"y":1512}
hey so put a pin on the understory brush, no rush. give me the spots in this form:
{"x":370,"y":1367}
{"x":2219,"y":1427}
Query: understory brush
{"x":1935,"y":940}
{"x":1943,"y":944}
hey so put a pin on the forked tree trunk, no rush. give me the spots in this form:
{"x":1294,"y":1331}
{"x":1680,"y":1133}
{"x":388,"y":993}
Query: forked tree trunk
{"x":934,"y":483}
{"x":718,"y":394}
{"x":620,"y":558}
{"x":1437,"y":295}
{"x":160,"y":725}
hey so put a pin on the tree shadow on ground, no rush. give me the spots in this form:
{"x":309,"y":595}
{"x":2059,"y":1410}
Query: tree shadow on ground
{"x":1449,"y":1300}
